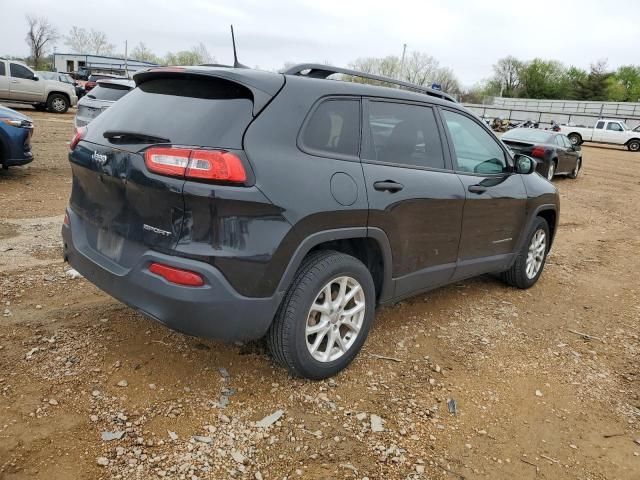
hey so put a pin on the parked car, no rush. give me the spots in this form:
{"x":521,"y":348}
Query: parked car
{"x":614,"y":132}
{"x":554,"y":152}
{"x":16,"y":131}
{"x":100,"y":98}
{"x":20,"y":84}
{"x":93,"y":80}
{"x":64,"y":78}
{"x":235,"y":204}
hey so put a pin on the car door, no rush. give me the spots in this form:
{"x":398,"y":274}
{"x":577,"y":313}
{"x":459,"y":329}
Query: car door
{"x":573,"y":153}
{"x":613,"y":133}
{"x":4,"y":81}
{"x":564,"y":159}
{"x":598,"y":132}
{"x":494,"y":210}
{"x":414,"y":196}
{"x":24,"y":85}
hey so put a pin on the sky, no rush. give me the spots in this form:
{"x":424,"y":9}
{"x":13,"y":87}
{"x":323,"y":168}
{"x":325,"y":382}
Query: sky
{"x":468,"y":36}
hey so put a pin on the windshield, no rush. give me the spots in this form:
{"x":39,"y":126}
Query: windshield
{"x":624,"y":125}
{"x":108,"y":92}
{"x":528,"y":135}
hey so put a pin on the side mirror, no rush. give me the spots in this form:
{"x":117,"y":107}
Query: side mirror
{"x":525,"y":165}
{"x":35,"y":77}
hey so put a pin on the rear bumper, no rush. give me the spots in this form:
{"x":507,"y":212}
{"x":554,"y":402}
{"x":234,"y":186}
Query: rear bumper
{"x":214,"y":310}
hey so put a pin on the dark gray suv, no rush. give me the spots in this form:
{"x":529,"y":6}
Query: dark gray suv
{"x":236,"y":204}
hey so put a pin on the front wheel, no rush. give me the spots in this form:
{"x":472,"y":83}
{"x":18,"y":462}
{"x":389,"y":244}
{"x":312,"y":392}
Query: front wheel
{"x":551,"y":170}
{"x":634,"y":145}
{"x":529,"y":263}
{"x":574,"y":174}
{"x":325,"y":317}
{"x":57,"y":103}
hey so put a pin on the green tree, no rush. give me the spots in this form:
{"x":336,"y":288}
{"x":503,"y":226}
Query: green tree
{"x":543,"y":79}
{"x":624,"y":85}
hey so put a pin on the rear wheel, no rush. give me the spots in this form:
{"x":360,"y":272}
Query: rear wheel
{"x":634,"y":145}
{"x":529,"y":263}
{"x":551,"y":171}
{"x":575,"y":139}
{"x":57,"y":103}
{"x":576,"y":170}
{"x":325,"y":317}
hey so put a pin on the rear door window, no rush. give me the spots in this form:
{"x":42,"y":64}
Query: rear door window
{"x":2,"y":69}
{"x":404,"y":134}
{"x":600,"y":125}
{"x":108,"y":92}
{"x":333,"y":129}
{"x":187,"y":110}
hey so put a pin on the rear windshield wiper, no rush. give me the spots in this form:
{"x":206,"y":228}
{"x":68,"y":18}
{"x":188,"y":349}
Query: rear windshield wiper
{"x":133,"y":137}
{"x":91,"y":96}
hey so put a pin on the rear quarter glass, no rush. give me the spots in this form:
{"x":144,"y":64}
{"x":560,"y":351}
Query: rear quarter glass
{"x":187,"y":110}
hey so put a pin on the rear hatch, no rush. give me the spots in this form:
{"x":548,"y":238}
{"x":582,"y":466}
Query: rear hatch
{"x":100,"y":98}
{"x":124,"y":207}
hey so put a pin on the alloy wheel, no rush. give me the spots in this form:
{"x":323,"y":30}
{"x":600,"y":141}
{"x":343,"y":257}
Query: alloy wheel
{"x":551,"y":172}
{"x":58,"y":105}
{"x":536,"y":253}
{"x":335,"y":319}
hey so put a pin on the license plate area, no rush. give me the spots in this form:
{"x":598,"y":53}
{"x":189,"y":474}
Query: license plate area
{"x":109,"y":244}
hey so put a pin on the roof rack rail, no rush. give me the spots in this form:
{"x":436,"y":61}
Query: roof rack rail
{"x":316,"y":70}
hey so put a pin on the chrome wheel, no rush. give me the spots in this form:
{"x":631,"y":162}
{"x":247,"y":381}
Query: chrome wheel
{"x":551,"y":172}
{"x":58,"y":104}
{"x":634,"y":146}
{"x":536,"y":253}
{"x":335,"y":319}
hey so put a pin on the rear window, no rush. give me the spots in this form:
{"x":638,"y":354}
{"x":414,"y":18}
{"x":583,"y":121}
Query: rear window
{"x":333,"y":129}
{"x":528,"y":135}
{"x":108,"y":92}
{"x":190,"y":111}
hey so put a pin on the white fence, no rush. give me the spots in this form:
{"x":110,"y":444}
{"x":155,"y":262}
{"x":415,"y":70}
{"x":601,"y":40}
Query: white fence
{"x":561,"y":111}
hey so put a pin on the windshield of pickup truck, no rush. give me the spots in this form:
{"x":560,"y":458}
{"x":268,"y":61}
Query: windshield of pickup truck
{"x":624,"y":126}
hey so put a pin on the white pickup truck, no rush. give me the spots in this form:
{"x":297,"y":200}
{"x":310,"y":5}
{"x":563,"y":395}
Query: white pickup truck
{"x":606,"y":130}
{"x":20,"y":84}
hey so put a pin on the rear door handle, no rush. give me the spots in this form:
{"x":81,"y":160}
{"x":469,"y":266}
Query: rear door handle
{"x":388,"y":186}
{"x":477,"y":189}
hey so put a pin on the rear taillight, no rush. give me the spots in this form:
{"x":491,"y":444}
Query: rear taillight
{"x":215,"y":165}
{"x":537,"y":152}
{"x":66,"y":220}
{"x":80,"y":133}
{"x":177,"y":275}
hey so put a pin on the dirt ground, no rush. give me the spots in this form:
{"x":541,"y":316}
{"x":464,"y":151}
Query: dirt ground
{"x":546,"y":381}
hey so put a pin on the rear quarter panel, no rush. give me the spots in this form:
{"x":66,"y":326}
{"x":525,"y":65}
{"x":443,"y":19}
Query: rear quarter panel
{"x":298,"y":183}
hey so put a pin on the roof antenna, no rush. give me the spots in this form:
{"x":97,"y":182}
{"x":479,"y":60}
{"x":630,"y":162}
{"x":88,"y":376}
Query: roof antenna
{"x":236,"y":63}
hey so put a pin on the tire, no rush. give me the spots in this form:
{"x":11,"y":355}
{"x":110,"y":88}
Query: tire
{"x":289,"y":339}
{"x":573,"y":175}
{"x":633,"y":145}
{"x":575,"y":138}
{"x":57,"y":103}
{"x":519,"y":274}
{"x":551,"y":170}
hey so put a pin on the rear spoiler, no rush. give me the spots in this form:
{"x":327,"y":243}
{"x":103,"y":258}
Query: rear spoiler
{"x":262,"y":85}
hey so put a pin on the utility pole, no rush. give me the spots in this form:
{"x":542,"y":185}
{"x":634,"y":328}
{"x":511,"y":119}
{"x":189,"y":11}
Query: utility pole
{"x":404,"y":51}
{"x":126,"y":67}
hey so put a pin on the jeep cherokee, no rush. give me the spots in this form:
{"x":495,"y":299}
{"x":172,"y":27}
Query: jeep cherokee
{"x":235,"y":204}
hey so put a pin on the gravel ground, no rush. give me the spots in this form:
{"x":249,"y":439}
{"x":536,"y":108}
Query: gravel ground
{"x":476,"y":380}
